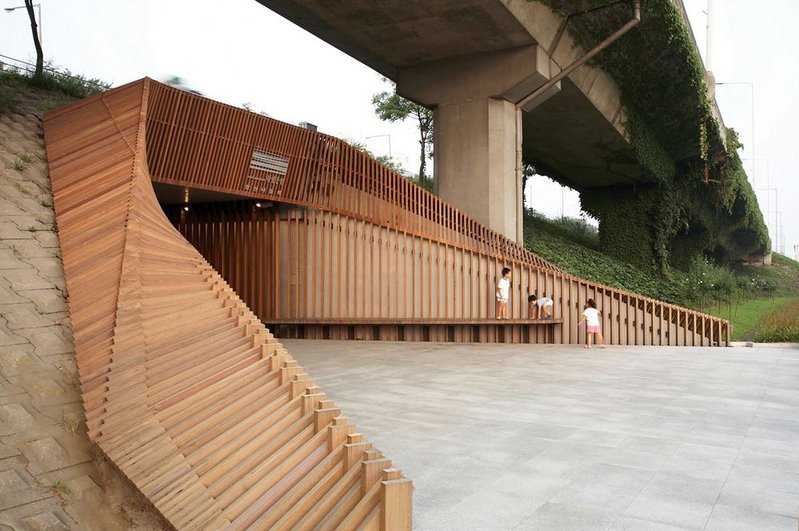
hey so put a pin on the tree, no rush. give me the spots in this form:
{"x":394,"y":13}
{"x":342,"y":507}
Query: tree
{"x":391,"y":107}
{"x":386,"y":161}
{"x":36,"y":43}
{"x":528,"y":170}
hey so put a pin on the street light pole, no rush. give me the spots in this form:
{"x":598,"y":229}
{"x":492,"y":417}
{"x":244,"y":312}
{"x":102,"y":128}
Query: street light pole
{"x":775,"y":212}
{"x":389,"y":141}
{"x":38,"y":22}
{"x":752,"y":88}
{"x":768,"y":171}
{"x":709,"y":37}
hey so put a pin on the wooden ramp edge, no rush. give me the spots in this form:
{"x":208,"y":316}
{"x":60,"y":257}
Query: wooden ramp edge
{"x":184,"y":389}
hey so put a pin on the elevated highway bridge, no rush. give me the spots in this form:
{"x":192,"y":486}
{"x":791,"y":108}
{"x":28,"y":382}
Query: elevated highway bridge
{"x":487,"y":68}
{"x":474,"y":63}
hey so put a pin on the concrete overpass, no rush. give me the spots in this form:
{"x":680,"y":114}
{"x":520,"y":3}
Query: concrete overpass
{"x":476,"y":63}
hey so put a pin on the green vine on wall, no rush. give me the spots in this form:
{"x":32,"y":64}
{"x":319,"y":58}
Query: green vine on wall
{"x":702,"y":197}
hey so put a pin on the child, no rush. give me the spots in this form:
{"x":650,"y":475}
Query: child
{"x":503,"y":291}
{"x":532,"y":307}
{"x":544,"y":305}
{"x":591,"y":316}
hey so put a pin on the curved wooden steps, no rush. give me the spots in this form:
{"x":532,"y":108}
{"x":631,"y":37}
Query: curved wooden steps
{"x":184,"y":389}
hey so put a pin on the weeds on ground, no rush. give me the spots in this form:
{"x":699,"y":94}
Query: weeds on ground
{"x":70,"y":422}
{"x":58,"y":488}
{"x":61,"y":87}
{"x":67,"y":83}
{"x":780,"y":326}
{"x":8,"y":100}
{"x":10,"y":85}
{"x":20,"y":165}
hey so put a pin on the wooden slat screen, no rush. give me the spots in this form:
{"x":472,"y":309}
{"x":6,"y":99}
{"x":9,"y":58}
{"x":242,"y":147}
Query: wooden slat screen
{"x":302,"y":265}
{"x":198,"y":143}
{"x":194,"y":141}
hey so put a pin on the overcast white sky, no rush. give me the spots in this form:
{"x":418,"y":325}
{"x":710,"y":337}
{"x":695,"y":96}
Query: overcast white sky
{"x":240,"y":52}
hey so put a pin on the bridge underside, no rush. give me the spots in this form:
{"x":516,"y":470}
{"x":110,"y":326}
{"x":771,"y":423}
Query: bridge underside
{"x":474,"y":63}
{"x":570,"y":139}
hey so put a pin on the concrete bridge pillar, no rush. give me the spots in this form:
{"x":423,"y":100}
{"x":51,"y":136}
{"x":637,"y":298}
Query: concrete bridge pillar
{"x":478,"y":130}
{"x":478,"y":161}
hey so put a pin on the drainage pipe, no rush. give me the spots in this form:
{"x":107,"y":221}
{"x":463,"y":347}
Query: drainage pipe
{"x":586,"y":57}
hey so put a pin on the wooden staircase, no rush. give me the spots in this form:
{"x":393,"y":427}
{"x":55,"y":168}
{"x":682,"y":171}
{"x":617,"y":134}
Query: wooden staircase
{"x":184,"y":389}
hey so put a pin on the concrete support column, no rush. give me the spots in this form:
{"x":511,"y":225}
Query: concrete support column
{"x":478,"y":132}
{"x":478,"y":161}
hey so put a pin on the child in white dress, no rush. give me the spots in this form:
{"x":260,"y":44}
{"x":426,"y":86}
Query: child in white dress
{"x":591,"y":316}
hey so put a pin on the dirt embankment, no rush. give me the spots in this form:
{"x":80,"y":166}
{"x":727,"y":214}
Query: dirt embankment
{"x":51,"y":475}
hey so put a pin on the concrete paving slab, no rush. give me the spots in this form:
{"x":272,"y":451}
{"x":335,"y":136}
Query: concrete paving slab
{"x":15,"y":490}
{"x":46,"y":300}
{"x":48,"y":341}
{"x":33,"y":249}
{"x":556,"y":516}
{"x":552,"y":437}
{"x":625,"y":523}
{"x":48,"y":521}
{"x":48,"y":240}
{"x":9,"y":260}
{"x":25,"y":279}
{"x":23,"y":315}
{"x":47,"y":267}
{"x":749,"y":495}
{"x":726,"y":518}
{"x":14,"y":419}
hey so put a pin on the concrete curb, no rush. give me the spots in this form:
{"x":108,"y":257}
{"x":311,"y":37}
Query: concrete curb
{"x":751,"y":344}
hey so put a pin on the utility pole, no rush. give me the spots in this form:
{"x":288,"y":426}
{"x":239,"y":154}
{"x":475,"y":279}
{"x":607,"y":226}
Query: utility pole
{"x":709,"y":37}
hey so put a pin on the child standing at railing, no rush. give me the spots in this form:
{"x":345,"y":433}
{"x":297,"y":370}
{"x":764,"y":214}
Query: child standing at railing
{"x":503,"y":292}
{"x":591,"y":316}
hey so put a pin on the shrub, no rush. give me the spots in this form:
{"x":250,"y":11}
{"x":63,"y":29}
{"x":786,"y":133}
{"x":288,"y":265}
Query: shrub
{"x":10,"y":83}
{"x":62,"y":87}
{"x":67,"y":83}
{"x":704,"y":285}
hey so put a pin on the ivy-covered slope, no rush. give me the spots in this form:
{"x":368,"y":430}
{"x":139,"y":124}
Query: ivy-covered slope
{"x":573,"y":245}
{"x":577,"y":252}
{"x":702,"y":202}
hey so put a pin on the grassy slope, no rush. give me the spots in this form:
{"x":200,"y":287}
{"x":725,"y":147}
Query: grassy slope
{"x":784,"y":272}
{"x":578,"y":253}
{"x":781,"y":326}
{"x":745,"y":319}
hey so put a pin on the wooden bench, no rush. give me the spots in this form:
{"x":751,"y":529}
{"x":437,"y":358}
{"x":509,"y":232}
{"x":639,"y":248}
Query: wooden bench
{"x":548,"y":324}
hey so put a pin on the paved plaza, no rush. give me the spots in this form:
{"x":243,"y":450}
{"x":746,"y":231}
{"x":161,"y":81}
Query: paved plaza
{"x":559,"y":437}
